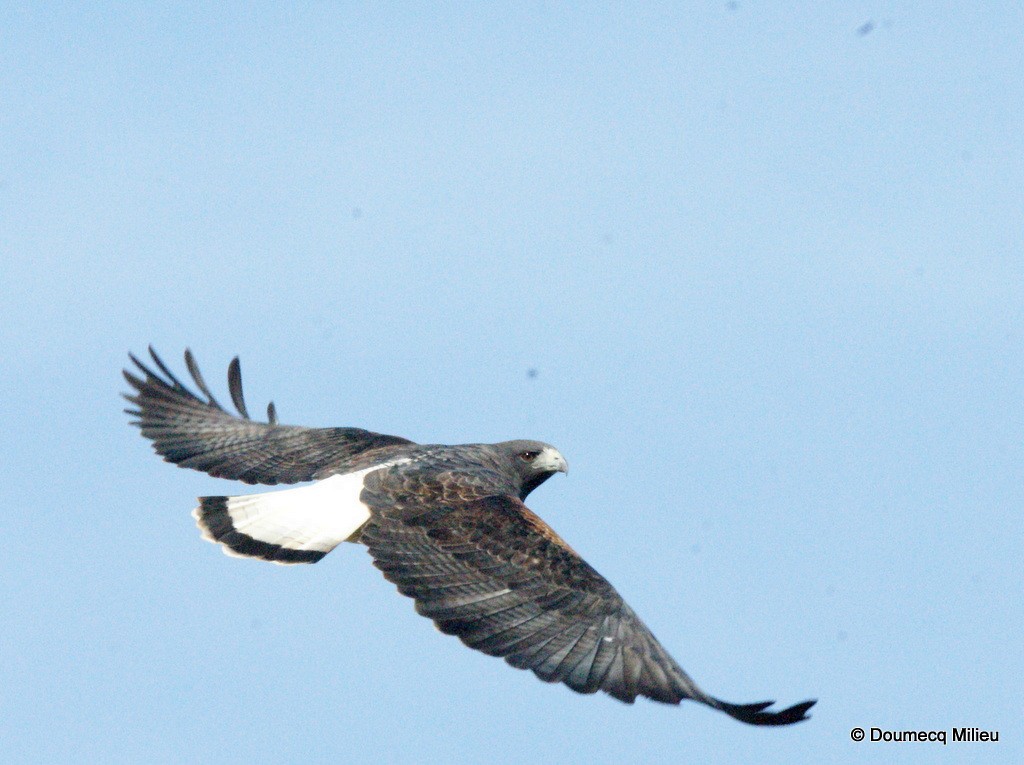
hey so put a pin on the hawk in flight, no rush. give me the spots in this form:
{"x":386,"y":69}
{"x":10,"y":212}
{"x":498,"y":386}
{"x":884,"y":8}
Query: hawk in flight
{"x":446,"y":524}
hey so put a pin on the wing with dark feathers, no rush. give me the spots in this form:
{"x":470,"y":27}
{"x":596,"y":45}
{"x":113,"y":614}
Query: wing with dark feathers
{"x":488,"y":570}
{"x":199,"y":433}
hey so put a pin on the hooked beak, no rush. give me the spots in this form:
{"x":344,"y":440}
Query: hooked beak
{"x":552,"y":460}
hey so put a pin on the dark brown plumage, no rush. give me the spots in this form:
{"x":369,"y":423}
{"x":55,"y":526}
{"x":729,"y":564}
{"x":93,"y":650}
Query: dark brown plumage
{"x":446,"y":524}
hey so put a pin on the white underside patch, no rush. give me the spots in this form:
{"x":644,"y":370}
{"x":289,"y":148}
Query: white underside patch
{"x":317,"y":517}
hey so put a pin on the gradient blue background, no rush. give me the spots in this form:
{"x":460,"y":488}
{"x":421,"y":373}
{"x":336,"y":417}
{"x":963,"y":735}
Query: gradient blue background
{"x":767,"y":267}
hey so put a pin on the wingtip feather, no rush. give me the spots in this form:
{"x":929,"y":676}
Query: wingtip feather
{"x":754,"y":714}
{"x":197,"y":377}
{"x":235,"y":387}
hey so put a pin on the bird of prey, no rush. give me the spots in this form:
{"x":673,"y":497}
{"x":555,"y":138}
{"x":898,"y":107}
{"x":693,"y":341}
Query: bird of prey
{"x":446,"y":524}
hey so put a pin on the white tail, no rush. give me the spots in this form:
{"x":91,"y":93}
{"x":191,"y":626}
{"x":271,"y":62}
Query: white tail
{"x":287,"y":526}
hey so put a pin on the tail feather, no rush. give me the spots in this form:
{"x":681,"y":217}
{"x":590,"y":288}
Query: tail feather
{"x":292,"y":526}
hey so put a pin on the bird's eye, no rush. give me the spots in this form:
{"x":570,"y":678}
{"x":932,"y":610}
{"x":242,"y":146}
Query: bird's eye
{"x":528,"y":456}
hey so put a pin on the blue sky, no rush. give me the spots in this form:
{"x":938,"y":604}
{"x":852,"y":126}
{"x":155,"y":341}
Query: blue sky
{"x":768,"y":270}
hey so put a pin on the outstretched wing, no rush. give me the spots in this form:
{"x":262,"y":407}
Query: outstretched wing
{"x":198,"y":433}
{"x":488,"y":570}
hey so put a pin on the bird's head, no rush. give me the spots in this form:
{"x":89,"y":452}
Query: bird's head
{"x":535,"y":462}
